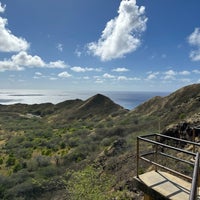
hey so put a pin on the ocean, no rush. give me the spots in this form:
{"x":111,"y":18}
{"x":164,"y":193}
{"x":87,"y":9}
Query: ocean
{"x":128,"y":100}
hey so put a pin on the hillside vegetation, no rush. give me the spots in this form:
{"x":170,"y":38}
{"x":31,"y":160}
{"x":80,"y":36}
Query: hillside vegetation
{"x":82,"y":149}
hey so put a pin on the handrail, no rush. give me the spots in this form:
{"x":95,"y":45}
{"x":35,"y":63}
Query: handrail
{"x":194,"y":187}
{"x":178,"y":139}
{"x":157,"y":144}
{"x":167,"y":146}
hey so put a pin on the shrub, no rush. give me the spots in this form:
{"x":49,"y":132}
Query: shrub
{"x":17,"y":167}
{"x":10,"y":161}
{"x":89,"y":185}
{"x":1,"y":161}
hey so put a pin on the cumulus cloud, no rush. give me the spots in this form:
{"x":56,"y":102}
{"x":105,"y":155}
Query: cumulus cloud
{"x":196,"y":71}
{"x":152,"y":75}
{"x":64,"y":75}
{"x":120,"y":69}
{"x":98,"y":79}
{"x":185,"y":73}
{"x":78,"y":69}
{"x":38,"y":73}
{"x":106,"y":75}
{"x":9,"y":65}
{"x":122,"y":78}
{"x":170,"y":74}
{"x":56,"y":64}
{"x":8,"y":41}
{"x":194,"y":40}
{"x":23,"y":60}
{"x":84,"y":69}
{"x":121,"y":34}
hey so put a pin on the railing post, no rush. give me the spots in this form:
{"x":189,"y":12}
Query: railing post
{"x":156,"y":153}
{"x":195,"y":179}
{"x":193,"y":139}
{"x":138,"y":152}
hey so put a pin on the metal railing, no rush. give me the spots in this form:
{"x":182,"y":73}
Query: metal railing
{"x":168,"y":149}
{"x":195,"y":179}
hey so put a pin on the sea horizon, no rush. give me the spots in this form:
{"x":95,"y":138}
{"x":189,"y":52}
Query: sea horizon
{"x":127,"y":99}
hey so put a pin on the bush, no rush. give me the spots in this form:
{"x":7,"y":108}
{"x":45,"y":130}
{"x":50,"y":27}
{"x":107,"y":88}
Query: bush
{"x":17,"y":167}
{"x":89,"y":185}
{"x":1,"y":161}
{"x":10,"y":161}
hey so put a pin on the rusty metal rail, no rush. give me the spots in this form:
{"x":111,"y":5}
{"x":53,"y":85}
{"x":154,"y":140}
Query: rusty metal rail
{"x":152,"y":157}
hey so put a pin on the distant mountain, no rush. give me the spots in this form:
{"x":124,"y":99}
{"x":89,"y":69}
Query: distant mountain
{"x":99,"y":104}
{"x":96,"y":107}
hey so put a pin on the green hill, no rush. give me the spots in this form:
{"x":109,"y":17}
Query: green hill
{"x":81,"y":147}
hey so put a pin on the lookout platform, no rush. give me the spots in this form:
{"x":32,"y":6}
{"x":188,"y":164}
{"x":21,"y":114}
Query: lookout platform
{"x":166,"y":179}
{"x":162,"y":185}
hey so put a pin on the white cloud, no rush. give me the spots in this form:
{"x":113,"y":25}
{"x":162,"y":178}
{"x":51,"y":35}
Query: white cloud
{"x":2,"y":8}
{"x":78,"y":69}
{"x":78,"y":53}
{"x":120,"y":69}
{"x":106,"y":75}
{"x":170,"y":74}
{"x":195,"y":55}
{"x":8,"y":41}
{"x":9,"y":65}
{"x":122,"y":78}
{"x":59,"y":47}
{"x":184,"y":73}
{"x":36,"y":77}
{"x":57,"y":64}
{"x":23,"y":60}
{"x":185,"y":80}
{"x":93,"y":69}
{"x":99,"y":81}
{"x":152,"y":75}
{"x":84,"y":69}
{"x":64,"y":75}
{"x":121,"y":34}
{"x":196,"y":71}
{"x":194,"y":40}
{"x":136,"y":79}
{"x":38,"y":73}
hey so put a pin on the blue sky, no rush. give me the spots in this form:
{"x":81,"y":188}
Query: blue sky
{"x":100,"y":45}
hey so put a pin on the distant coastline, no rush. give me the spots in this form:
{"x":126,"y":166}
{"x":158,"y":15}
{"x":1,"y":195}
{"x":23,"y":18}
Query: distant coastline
{"x":128,"y":100}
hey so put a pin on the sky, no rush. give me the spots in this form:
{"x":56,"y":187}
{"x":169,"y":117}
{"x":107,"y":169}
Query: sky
{"x":99,"y":45}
